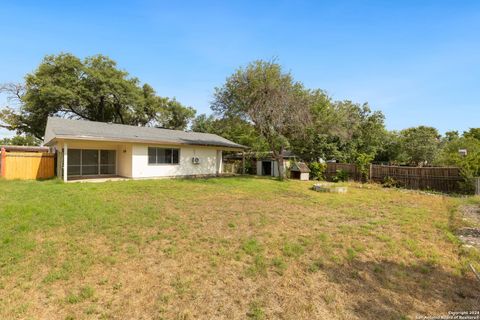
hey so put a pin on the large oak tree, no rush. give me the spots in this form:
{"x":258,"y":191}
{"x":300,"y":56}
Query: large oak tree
{"x":269,"y":98}
{"x":93,"y":89}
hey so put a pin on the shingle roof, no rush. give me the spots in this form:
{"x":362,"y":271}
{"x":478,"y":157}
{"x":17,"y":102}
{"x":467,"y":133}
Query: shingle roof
{"x":91,"y":130}
{"x":300,"y":166}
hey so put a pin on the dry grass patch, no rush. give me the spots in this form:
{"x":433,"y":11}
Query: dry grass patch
{"x":231,"y":248}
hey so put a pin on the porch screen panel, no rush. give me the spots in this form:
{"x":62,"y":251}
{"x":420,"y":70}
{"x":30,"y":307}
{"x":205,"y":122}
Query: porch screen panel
{"x":74,"y":163}
{"x":107,"y":161}
{"x":89,"y":162}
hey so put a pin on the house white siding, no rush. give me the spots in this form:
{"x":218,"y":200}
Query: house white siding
{"x":304,"y":176}
{"x":208,"y":162}
{"x":124,"y":160}
{"x":132,"y":159}
{"x":96,"y":149}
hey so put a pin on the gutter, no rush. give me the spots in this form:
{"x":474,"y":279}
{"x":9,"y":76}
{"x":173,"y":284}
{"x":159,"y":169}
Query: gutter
{"x":144,"y":141}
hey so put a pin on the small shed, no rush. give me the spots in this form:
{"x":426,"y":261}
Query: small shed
{"x":300,"y":171}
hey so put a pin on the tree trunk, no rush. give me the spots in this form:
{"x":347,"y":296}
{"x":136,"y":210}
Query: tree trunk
{"x":119,"y":113}
{"x":280,"y":161}
{"x":102,"y":108}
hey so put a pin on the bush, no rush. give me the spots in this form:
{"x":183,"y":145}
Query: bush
{"x":390,"y":182}
{"x":363,"y":164}
{"x":341,"y":175}
{"x":317,"y":170}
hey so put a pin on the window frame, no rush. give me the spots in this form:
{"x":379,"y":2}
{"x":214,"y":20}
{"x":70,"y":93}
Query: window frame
{"x":156,"y":163}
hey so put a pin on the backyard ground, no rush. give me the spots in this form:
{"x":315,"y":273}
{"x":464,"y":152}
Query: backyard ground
{"x":230,"y":248}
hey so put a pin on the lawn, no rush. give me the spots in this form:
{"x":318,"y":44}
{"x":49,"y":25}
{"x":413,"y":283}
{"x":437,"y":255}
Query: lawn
{"x":231,"y":248}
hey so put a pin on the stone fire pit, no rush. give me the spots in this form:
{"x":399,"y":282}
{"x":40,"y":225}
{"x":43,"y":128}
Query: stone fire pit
{"x":324,"y":187}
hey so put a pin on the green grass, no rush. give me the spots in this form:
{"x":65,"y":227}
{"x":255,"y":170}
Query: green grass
{"x":229,"y":248}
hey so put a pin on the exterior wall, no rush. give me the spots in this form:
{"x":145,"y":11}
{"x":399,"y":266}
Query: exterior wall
{"x":286,"y":164}
{"x":259,"y":168}
{"x":208,"y":162}
{"x":275,"y":168}
{"x":304,"y":176}
{"x":132,"y":159}
{"x":219,"y":161}
{"x":123,"y":160}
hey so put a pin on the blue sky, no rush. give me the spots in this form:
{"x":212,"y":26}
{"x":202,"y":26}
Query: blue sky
{"x":417,"y":61}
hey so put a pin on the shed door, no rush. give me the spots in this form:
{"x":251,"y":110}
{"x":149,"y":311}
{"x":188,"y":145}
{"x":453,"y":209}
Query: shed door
{"x":266,"y":168}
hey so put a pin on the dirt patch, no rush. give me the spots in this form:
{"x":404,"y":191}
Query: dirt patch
{"x":470,"y":236}
{"x":471,"y":213}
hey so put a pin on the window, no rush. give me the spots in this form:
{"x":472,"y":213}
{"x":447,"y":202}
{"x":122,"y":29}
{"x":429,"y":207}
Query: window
{"x":163,"y":156}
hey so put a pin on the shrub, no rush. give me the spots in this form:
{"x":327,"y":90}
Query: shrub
{"x":341,"y":175}
{"x":317,"y":170}
{"x":363,"y":163}
{"x":390,"y":182}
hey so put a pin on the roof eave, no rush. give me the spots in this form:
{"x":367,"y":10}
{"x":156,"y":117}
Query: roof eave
{"x":90,"y":138}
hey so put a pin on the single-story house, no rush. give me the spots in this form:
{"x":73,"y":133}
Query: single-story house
{"x":96,"y":149}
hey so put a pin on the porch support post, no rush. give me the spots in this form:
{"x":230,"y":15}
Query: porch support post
{"x":3,"y":163}
{"x":58,"y":169}
{"x":65,"y":161}
{"x":243,"y":162}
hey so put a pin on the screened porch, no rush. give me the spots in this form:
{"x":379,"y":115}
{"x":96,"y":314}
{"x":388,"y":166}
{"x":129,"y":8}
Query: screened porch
{"x":85,"y":163}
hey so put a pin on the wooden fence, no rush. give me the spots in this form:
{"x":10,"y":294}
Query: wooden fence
{"x":333,"y":167}
{"x":27,"y":165}
{"x":445,"y":179}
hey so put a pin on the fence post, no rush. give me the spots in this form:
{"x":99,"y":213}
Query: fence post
{"x":3,"y":162}
{"x":370,"y":172}
{"x":477,"y":185}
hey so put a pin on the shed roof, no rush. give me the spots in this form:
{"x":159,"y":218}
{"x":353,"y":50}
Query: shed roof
{"x":59,"y":128}
{"x":300,"y":166}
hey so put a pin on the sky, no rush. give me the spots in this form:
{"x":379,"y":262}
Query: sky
{"x":416,"y":61}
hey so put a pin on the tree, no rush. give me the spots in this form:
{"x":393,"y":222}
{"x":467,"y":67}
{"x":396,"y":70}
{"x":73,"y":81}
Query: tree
{"x":472,"y":133}
{"x":451,"y":135}
{"x":340,"y":130}
{"x":420,"y":144}
{"x":92,"y":89}
{"x":391,"y":149}
{"x":363,"y":130}
{"x":175,"y":115}
{"x":265,"y":96}
{"x":469,"y":164}
{"x":318,"y":140}
{"x":231,"y":128}
{"x":26,"y":140}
